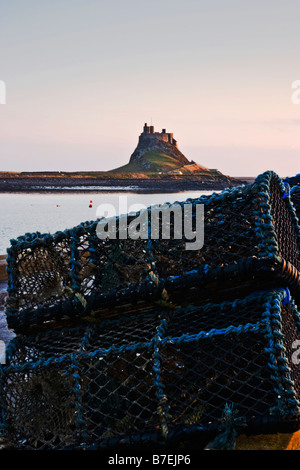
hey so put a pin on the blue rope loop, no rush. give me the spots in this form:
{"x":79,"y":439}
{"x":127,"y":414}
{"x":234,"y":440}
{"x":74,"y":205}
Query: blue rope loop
{"x":287,"y":298}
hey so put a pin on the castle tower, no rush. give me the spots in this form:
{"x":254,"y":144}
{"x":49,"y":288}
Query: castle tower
{"x":162,"y":136}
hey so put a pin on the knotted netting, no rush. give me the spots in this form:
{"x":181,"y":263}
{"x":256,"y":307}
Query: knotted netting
{"x":295,"y":197}
{"x":156,"y":378}
{"x":251,"y":240}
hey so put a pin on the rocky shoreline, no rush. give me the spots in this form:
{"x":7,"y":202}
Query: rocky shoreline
{"x":63,"y":184}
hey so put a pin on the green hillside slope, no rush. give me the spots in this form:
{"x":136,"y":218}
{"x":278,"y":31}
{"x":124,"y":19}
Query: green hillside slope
{"x":150,"y":162}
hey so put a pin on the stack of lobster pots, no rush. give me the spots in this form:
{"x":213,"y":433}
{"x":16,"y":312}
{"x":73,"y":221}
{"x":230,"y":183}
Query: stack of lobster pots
{"x":157,"y":339}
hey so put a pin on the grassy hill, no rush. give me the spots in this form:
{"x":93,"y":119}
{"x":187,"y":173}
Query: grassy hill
{"x":160,"y":164}
{"x":154,"y":161}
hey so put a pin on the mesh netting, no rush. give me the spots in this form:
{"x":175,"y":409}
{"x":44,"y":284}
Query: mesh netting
{"x":156,"y":377}
{"x":251,"y":240}
{"x":295,"y":197}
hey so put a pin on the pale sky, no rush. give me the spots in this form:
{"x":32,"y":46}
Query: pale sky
{"x":83,"y":76}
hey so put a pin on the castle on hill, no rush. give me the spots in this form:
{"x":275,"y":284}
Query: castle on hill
{"x":157,"y":157}
{"x":157,"y":142}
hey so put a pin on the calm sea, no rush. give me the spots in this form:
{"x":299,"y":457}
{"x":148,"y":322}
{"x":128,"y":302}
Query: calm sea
{"x":50,"y":212}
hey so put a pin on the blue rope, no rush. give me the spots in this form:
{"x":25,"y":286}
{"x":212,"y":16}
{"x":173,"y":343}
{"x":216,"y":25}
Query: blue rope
{"x":287,"y":192}
{"x":287,"y":298}
{"x":82,"y":434}
{"x":162,"y":408}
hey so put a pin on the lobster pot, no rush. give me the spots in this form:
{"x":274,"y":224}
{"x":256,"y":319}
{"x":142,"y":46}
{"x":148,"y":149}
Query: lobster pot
{"x":156,"y":378}
{"x":295,"y":198}
{"x":251,"y":240}
{"x":68,"y":274}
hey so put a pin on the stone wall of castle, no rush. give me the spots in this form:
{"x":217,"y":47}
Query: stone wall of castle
{"x":163,"y":136}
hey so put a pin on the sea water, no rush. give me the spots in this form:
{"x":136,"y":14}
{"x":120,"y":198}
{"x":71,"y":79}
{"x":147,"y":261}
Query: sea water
{"x":50,"y":212}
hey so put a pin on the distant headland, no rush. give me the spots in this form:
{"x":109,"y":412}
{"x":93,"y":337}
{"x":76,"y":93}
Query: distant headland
{"x":156,"y":165}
